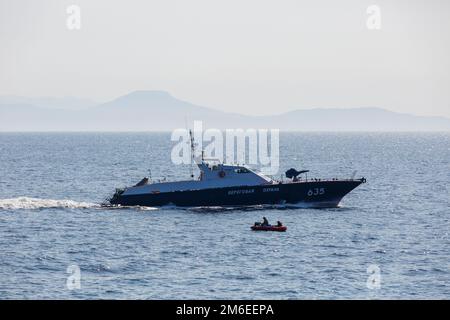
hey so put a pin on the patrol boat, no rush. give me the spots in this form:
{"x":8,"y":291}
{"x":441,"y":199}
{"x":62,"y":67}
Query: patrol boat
{"x":236,"y":185}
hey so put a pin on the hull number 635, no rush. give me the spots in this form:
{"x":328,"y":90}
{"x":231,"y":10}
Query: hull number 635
{"x":316,"y":191}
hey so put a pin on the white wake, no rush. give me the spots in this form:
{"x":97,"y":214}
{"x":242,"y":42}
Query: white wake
{"x":36,"y":203}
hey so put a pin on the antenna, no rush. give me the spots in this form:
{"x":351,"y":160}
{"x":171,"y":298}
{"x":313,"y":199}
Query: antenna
{"x":192,"y":152}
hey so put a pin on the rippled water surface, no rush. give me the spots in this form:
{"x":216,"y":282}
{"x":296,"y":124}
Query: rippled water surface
{"x":51,"y":186}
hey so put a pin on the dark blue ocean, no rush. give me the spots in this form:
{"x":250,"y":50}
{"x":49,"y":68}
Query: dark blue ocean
{"x":389,"y":239}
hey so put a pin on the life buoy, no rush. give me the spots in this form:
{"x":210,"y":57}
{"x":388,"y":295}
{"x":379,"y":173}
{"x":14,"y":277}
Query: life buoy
{"x":222,"y":174}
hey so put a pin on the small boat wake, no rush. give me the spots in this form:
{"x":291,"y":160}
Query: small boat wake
{"x":26,"y":203}
{"x":140,"y":208}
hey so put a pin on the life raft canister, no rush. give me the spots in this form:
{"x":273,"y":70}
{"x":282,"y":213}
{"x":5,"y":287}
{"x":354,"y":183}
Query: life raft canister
{"x":222,"y":174}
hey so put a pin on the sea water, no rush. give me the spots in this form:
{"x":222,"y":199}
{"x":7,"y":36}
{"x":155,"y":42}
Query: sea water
{"x":388,"y":239}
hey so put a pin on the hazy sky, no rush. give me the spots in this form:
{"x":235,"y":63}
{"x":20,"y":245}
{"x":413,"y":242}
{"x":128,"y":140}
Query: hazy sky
{"x":247,"y":56}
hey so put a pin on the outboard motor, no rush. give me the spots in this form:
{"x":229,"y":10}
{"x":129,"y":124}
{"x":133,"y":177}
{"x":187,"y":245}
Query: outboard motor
{"x":116,"y":196}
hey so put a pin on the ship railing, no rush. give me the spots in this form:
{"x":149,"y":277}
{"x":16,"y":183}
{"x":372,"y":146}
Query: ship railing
{"x":321,"y":180}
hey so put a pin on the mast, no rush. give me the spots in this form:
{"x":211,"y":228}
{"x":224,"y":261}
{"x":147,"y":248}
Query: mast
{"x":191,"y":136}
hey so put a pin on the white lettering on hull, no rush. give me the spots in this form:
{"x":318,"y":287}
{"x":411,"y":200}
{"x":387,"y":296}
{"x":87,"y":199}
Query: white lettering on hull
{"x":271,"y":189}
{"x":242,"y":191}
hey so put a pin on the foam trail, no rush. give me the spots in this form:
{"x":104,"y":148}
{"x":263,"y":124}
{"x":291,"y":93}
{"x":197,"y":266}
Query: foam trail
{"x":141,"y":208}
{"x":36,"y":203}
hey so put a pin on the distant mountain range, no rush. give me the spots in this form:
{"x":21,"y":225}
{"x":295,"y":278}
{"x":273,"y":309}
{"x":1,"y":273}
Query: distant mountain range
{"x":68,"y":103}
{"x":159,"y":111}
